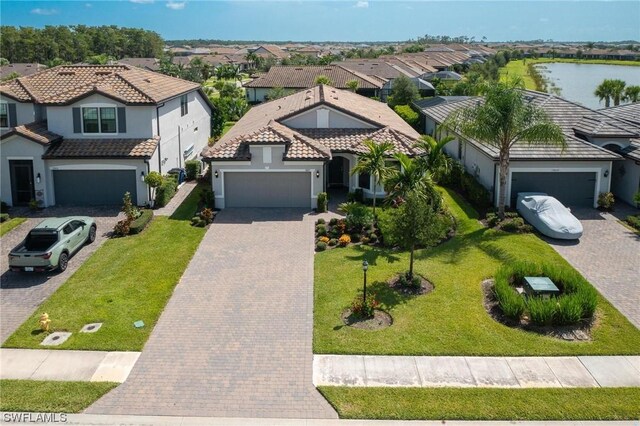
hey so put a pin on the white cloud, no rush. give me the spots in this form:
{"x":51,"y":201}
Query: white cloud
{"x":39,"y":11}
{"x":142,"y":1}
{"x":363,"y":4}
{"x":176,"y":5}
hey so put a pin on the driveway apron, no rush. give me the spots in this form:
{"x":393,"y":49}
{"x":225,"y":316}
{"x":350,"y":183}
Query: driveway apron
{"x":22,"y":293}
{"x":608,"y":255}
{"x":235,"y":338}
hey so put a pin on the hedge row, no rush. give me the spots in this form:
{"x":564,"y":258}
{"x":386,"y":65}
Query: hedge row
{"x":166,"y":191}
{"x":141,"y":222}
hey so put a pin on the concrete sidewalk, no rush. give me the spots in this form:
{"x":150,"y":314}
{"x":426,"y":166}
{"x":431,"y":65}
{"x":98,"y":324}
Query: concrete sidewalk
{"x":98,"y":419}
{"x":85,"y":366}
{"x":174,"y":203}
{"x":500,"y":372}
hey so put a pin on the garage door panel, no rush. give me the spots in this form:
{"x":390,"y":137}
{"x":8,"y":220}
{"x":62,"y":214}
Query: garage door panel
{"x":93,"y":187}
{"x":571,"y":188}
{"x":267,"y":189}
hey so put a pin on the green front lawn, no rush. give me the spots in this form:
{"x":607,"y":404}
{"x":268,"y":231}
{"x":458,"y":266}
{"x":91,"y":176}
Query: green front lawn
{"x":485,"y":404}
{"x":451,"y":320}
{"x":10,"y":224}
{"x":125,"y":280}
{"x":50,"y":396}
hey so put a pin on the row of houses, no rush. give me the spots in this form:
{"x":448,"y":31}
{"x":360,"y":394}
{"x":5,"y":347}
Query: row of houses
{"x":84,"y":135}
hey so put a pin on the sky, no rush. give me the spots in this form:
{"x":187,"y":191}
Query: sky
{"x":341,"y":20}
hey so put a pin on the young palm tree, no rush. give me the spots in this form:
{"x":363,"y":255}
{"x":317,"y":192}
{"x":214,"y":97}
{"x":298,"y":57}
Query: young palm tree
{"x":411,"y":177}
{"x":632,"y":93}
{"x":504,"y":118}
{"x":617,"y":91}
{"x":374,"y":163}
{"x":436,"y":161}
{"x":605,"y":92}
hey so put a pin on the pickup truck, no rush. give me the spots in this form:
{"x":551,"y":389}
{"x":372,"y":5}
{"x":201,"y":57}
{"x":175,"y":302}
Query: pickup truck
{"x":51,"y":243}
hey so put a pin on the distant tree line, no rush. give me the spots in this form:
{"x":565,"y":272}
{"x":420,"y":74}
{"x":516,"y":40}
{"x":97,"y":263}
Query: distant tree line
{"x":53,"y":45}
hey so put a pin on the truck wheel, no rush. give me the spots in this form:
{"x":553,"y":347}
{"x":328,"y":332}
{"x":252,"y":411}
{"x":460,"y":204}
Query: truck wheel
{"x":63,"y":261}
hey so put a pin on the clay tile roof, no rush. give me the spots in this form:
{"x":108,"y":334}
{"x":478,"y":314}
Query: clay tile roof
{"x":66,"y":83}
{"x":103,"y":148}
{"x":266,"y":123}
{"x":300,"y":77}
{"x":36,"y":131}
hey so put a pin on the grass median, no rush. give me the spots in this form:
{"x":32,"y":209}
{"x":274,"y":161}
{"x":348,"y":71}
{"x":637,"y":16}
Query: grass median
{"x":125,"y":280}
{"x":11,"y":224}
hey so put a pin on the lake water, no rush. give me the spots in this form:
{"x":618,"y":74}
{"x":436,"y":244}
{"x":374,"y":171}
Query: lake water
{"x":577,"y":82}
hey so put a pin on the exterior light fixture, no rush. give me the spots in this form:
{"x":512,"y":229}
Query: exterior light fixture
{"x":606,"y":173}
{"x":216,"y":174}
{"x":318,"y":174}
{"x":142,"y":176}
{"x":38,"y":178}
{"x":365,"y":266}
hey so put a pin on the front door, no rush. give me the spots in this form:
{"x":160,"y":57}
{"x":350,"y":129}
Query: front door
{"x":22,"y":189}
{"x":337,"y":169}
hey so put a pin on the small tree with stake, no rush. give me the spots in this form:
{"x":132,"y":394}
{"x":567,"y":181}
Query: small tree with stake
{"x":154,"y":180}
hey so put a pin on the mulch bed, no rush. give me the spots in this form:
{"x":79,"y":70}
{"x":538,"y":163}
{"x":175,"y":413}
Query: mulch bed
{"x":380,"y":320}
{"x":574,"y":333}
{"x":425,"y":286}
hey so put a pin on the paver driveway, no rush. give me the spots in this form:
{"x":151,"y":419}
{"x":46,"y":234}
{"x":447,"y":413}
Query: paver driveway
{"x":21,"y":294}
{"x":608,"y":255}
{"x":235,"y":338}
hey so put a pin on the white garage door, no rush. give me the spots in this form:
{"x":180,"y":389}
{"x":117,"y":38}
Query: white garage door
{"x":267,"y":189}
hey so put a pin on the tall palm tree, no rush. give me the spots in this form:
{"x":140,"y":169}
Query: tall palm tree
{"x":617,"y":91}
{"x":504,"y":118}
{"x":374,"y":163}
{"x":604,"y":91}
{"x":632,"y":93}
{"x":411,"y":177}
{"x":436,"y":161}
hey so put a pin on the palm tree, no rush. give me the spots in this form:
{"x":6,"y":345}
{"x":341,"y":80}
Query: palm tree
{"x":436,"y":161}
{"x":411,"y":177}
{"x":374,"y":163}
{"x":504,"y":118}
{"x":617,"y":91}
{"x":605,"y":92}
{"x":632,"y":93}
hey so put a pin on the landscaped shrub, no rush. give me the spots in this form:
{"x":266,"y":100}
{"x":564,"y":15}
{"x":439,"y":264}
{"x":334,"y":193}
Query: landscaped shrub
{"x":207,"y":198}
{"x":122,"y":228}
{"x":166,"y":191}
{"x":192,"y":169}
{"x":364,"y":308}
{"x":634,"y":221}
{"x":405,"y":281}
{"x":321,"y":230}
{"x":373,"y":238}
{"x":577,"y":300}
{"x":321,"y":221}
{"x":467,"y":185}
{"x":344,"y":240}
{"x":320,"y":246}
{"x":333,"y":221}
{"x":332,"y":242}
{"x":606,"y":200}
{"x":356,"y":196}
{"x":355,"y":238}
{"x":542,"y":311}
{"x":323,"y":239}
{"x":512,"y":225}
{"x":365,"y":240}
{"x":141,"y":222}
{"x":4,"y":217}
{"x":408,"y":115}
{"x":323,"y":202}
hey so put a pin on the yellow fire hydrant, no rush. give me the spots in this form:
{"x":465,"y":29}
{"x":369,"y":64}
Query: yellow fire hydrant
{"x":45,"y":322}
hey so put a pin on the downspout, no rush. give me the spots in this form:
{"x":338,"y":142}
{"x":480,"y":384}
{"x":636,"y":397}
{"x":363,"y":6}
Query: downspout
{"x":179,"y":149}
{"x":159,"y":141}
{"x":146,"y":161}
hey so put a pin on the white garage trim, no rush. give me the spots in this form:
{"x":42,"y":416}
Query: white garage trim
{"x":597,"y":170}
{"x":311,"y":172}
{"x":93,"y":167}
{"x":19,"y":158}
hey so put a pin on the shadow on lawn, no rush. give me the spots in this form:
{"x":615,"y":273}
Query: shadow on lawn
{"x":371,"y":255}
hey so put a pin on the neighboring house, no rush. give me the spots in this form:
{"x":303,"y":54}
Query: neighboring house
{"x":20,"y":70}
{"x":151,"y":64}
{"x":626,"y":174}
{"x":302,"y":77}
{"x":575,"y":175}
{"x":270,"y":51}
{"x":84,"y":135}
{"x":284,"y":152}
{"x":425,"y":88}
{"x":442,"y":76}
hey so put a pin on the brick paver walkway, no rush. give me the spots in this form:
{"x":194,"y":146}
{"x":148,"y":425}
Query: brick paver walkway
{"x":608,"y":255}
{"x":22,"y":293}
{"x":235,"y":338}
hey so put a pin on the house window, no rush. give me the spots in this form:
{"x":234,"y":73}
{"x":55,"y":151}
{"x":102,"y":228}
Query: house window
{"x":4,"y":115}
{"x":184,"y":105}
{"x":99,"y":120}
{"x":364,"y":180}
